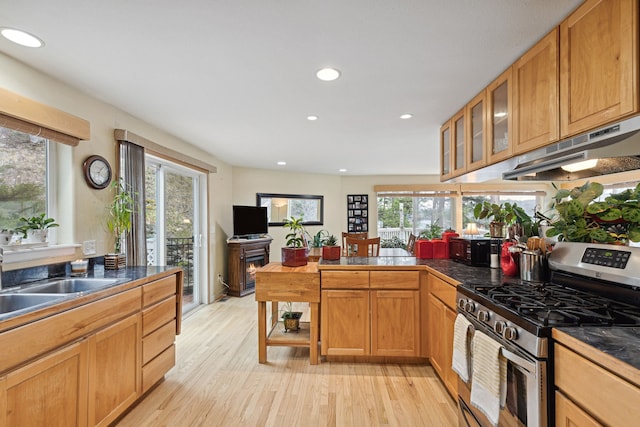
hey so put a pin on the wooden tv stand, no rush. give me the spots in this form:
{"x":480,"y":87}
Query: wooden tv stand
{"x":243,"y":253}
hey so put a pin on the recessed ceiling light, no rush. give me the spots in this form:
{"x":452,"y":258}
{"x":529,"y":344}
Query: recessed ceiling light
{"x":328,"y":74}
{"x":342,"y":170}
{"x":20,"y":37}
{"x":406,"y":116}
{"x":312,"y":118}
{"x":281,"y":163}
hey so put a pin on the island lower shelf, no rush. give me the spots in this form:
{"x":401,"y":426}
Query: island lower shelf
{"x":300,"y":338}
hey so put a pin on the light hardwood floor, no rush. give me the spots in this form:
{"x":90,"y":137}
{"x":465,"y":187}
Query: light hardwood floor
{"x":217,"y":381}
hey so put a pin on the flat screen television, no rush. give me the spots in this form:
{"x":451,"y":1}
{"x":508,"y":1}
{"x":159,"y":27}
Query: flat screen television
{"x":249,"y":221}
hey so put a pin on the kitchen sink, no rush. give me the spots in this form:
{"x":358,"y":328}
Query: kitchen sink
{"x":70,"y":286}
{"x":10,"y":303}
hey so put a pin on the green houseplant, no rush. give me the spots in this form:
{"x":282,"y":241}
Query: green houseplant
{"x":331,"y":251}
{"x":294,"y":254}
{"x":119,"y":222}
{"x":581,"y":218}
{"x":502,"y":215}
{"x":35,"y":229}
{"x":290,"y":318}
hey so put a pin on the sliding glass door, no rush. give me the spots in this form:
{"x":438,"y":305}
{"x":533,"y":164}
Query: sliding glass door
{"x":174,"y":218}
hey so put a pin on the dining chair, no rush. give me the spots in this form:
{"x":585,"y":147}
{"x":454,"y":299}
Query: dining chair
{"x":345,"y":248}
{"x":411,"y":244}
{"x":363,"y":247}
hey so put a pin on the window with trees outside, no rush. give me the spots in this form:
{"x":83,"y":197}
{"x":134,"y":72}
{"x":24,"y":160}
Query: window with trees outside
{"x":401,"y":213}
{"x":23,"y":176}
{"x":530,"y":201}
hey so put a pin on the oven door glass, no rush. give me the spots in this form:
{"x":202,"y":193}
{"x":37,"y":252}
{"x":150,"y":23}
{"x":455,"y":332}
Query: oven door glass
{"x":525,"y":402}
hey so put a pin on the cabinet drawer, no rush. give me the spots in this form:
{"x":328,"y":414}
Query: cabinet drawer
{"x":158,"y":290}
{"x":153,"y":371}
{"x":583,"y":381}
{"x":157,"y":341}
{"x":157,"y":315}
{"x":345,"y":280}
{"x":444,"y":291}
{"x":395,"y":279}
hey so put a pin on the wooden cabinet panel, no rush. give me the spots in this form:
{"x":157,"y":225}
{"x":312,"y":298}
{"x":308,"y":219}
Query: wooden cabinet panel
{"x":49,"y":391}
{"x":583,"y":382}
{"x":114,"y":370}
{"x":568,"y":414}
{"x":436,"y":343}
{"x":60,"y":329}
{"x":537,"y":96}
{"x":158,"y":341}
{"x":476,"y":138}
{"x":158,"y":290}
{"x":395,"y":323}
{"x":153,"y":371}
{"x":450,"y":377}
{"x":458,"y":144}
{"x":394,"y":280}
{"x":598,"y":64}
{"x":345,"y":326}
{"x":345,"y":280}
{"x":500,"y":117}
{"x":446,"y":158}
{"x":158,"y":314}
{"x":444,"y":291}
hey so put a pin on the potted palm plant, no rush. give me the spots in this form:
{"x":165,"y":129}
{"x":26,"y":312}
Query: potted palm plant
{"x":119,"y":223}
{"x":294,"y":254}
{"x":330,"y":248}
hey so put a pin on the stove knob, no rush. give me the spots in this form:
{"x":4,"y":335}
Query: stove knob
{"x":461,"y":303}
{"x":499,"y":327}
{"x":483,"y":316}
{"x":510,"y":333}
{"x":470,"y":307}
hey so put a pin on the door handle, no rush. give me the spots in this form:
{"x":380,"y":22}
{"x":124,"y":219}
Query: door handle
{"x":519,"y":361}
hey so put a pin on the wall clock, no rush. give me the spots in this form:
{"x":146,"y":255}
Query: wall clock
{"x":97,"y":172}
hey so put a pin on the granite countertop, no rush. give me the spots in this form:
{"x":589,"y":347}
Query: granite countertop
{"x":621,"y":343}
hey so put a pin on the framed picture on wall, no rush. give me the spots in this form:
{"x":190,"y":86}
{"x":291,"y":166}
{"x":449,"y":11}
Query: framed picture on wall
{"x":357,"y":213}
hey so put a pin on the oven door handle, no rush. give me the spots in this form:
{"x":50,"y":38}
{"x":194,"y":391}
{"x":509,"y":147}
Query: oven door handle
{"x":520,"y":361}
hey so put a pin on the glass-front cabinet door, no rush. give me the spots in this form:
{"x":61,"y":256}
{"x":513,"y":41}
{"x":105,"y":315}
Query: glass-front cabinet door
{"x":458,"y":137}
{"x":476,"y":136}
{"x":445,"y":151}
{"x":500,"y":103}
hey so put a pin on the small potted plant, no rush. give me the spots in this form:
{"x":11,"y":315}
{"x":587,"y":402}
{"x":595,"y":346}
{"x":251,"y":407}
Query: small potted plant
{"x":36,"y":228}
{"x":330,"y":249}
{"x":317,"y":240}
{"x":290,"y":318}
{"x":294,"y":254}
{"x":119,"y":223}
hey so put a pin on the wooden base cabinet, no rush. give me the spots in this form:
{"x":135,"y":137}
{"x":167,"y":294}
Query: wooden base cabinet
{"x":114,"y":370}
{"x":49,"y":391}
{"x":373,"y":313}
{"x":442,"y":317}
{"x":569,"y":414}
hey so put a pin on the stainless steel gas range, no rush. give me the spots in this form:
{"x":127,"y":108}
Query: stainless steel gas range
{"x":591,"y":284}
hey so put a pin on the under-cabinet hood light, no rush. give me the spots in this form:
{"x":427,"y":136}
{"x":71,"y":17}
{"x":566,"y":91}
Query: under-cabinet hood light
{"x":579,"y":166}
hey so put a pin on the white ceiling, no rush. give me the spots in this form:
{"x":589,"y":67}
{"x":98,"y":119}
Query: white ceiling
{"x":237,"y":77}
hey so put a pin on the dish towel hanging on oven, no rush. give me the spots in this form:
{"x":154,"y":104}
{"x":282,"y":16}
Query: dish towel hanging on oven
{"x":489,"y":377}
{"x":460,"y":359}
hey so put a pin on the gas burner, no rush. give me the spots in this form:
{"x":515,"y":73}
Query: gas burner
{"x":551,"y":317}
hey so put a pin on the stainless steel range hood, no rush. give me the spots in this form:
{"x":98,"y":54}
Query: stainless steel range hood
{"x":617,"y":148}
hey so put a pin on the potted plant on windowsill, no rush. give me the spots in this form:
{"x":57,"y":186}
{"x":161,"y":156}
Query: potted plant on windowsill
{"x":330,"y":249}
{"x":36,"y":228}
{"x":119,"y":223}
{"x":294,"y":254}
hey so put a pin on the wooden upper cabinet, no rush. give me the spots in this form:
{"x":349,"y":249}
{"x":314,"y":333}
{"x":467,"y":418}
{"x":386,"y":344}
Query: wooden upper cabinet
{"x":458,"y":144}
{"x":476,"y":115}
{"x":445,"y":152}
{"x":500,"y":117}
{"x":537,"y":96}
{"x":598,"y":64}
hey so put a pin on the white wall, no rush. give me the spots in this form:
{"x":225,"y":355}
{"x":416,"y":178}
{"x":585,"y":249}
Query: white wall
{"x":81,"y":211}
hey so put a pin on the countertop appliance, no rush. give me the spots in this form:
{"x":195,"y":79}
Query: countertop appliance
{"x":590,"y":284}
{"x":476,"y":252}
